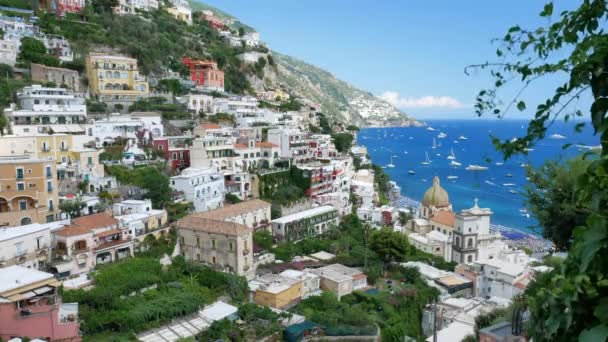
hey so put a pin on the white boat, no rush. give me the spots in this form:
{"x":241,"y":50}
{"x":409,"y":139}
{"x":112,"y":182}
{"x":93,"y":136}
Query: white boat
{"x":411,"y":172}
{"x":438,"y":154}
{"x":557,"y":136}
{"x":452,"y":177}
{"x":514,"y":140}
{"x":454,"y":163}
{"x":442,"y":135}
{"x":462,"y":137}
{"x":528,"y":149}
{"x":434,"y":144}
{"x":524,"y":165}
{"x":476,"y":168}
{"x":489,"y":183}
{"x":426,"y":161}
{"x":391,"y":165}
{"x":500,"y":164}
{"x":452,"y":156}
{"x":512,"y":191}
{"x":508,"y":175}
{"x":430,"y":128}
{"x":508,"y":184}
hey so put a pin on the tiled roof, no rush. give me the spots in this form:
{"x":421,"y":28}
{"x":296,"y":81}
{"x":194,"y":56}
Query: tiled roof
{"x":212,"y":226}
{"x":68,"y":231}
{"x":240,"y":146}
{"x":85,"y":224}
{"x":444,"y":217}
{"x":209,"y":126}
{"x":265,"y":144}
{"x":109,"y":232}
{"x":233,"y":210}
{"x":95,"y":221}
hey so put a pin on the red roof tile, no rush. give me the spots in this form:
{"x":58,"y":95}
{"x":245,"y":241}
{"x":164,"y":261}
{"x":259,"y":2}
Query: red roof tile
{"x":444,"y":217}
{"x":265,"y":144}
{"x":208,"y":125}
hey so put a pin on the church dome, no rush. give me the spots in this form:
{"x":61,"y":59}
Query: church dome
{"x":436,"y":196}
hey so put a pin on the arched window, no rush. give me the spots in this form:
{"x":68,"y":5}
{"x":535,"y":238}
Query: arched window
{"x":457,"y":241}
{"x":276,"y":154}
{"x":108,"y":87}
{"x":142,"y":88}
{"x":470,"y":258}
{"x":257,"y":154}
{"x":246,"y":155}
{"x":470,"y":243}
{"x":116,"y":74}
{"x":26,"y":220}
{"x":108,"y":74}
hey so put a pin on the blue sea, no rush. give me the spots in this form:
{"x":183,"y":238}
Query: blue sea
{"x":408,"y":145}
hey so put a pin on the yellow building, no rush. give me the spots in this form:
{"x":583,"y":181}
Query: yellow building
{"x":115,"y":78}
{"x":63,"y":148}
{"x":28,"y":190}
{"x":275,"y":290}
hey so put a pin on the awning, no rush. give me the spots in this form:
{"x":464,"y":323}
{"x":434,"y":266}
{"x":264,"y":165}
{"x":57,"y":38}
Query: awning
{"x":43,"y":289}
{"x":21,"y":296}
{"x":62,"y":268}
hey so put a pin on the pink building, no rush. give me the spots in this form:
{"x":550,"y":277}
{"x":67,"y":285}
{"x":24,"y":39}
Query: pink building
{"x":89,"y":241}
{"x":30,"y":306}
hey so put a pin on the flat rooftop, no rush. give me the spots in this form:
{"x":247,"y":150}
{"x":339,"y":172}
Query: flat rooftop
{"x":14,"y":277}
{"x":304,"y":214}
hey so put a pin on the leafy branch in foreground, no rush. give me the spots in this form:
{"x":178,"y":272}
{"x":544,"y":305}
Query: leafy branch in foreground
{"x":571,"y":302}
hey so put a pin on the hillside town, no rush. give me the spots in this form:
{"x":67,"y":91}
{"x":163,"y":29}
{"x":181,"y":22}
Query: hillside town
{"x":246,"y":212}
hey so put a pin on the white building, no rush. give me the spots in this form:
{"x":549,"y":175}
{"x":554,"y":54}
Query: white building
{"x":43,"y":109}
{"x":311,"y":283}
{"x":304,"y":224}
{"x":237,"y":105}
{"x":203,"y":187}
{"x":200,"y":102}
{"x":434,"y":242}
{"x":28,"y":246}
{"x":15,"y":28}
{"x":216,"y":152}
{"x":138,"y":218}
{"x":341,"y":280}
{"x":8,"y":52}
{"x":129,"y":6}
{"x":472,"y":236}
{"x":251,"y":57}
{"x":58,"y":46}
{"x":292,"y":143}
{"x":108,"y":130}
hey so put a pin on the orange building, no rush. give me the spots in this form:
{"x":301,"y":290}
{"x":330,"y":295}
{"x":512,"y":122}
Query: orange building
{"x":205,"y":73}
{"x":28,"y":190}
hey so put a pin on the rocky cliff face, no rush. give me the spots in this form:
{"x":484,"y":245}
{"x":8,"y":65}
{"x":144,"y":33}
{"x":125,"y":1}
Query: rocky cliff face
{"x":337,"y":98}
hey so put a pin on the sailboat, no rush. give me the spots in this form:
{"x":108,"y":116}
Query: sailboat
{"x":454,"y":163}
{"x":452,"y":156}
{"x":427,"y":161}
{"x":430,"y":128}
{"x":434,"y":144}
{"x":391,"y":165}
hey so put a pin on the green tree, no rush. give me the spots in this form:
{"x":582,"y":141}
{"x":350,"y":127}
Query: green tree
{"x":241,"y":31}
{"x":263,"y":239}
{"x":572,"y":304}
{"x":232,"y":198}
{"x":552,"y":199}
{"x":33,"y":51}
{"x":389,"y":245}
{"x":72,"y":207}
{"x":342,"y":141}
{"x":3,"y":124}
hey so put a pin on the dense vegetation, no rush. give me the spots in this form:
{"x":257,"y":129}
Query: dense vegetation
{"x":342,"y":141}
{"x":396,"y":310}
{"x":571,"y":302}
{"x":150,"y":178}
{"x":136,"y":294}
{"x":156,"y":39}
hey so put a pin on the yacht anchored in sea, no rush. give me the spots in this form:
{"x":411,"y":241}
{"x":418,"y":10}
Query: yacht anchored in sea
{"x":462,"y":137}
{"x":426,"y":161}
{"x":452,"y":156}
{"x":476,"y":168}
{"x":442,"y":135}
{"x":455,"y":163}
{"x":391,"y":165}
{"x":434,"y":144}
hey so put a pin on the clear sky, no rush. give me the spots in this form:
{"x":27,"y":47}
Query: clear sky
{"x":411,"y":53}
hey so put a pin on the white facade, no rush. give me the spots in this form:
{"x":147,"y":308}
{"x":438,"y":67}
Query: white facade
{"x":203,"y":187}
{"x":27,"y":246}
{"x":217,"y":153}
{"x":47,"y":109}
{"x":292,"y":143}
{"x":8,"y":52}
{"x":200,"y":102}
{"x":129,"y":6}
{"x":15,"y":28}
{"x":59,"y":46}
{"x":109,"y":129}
{"x":237,"y":105}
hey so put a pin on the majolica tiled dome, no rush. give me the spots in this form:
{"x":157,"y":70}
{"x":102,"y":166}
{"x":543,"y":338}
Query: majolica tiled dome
{"x":436,"y":195}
